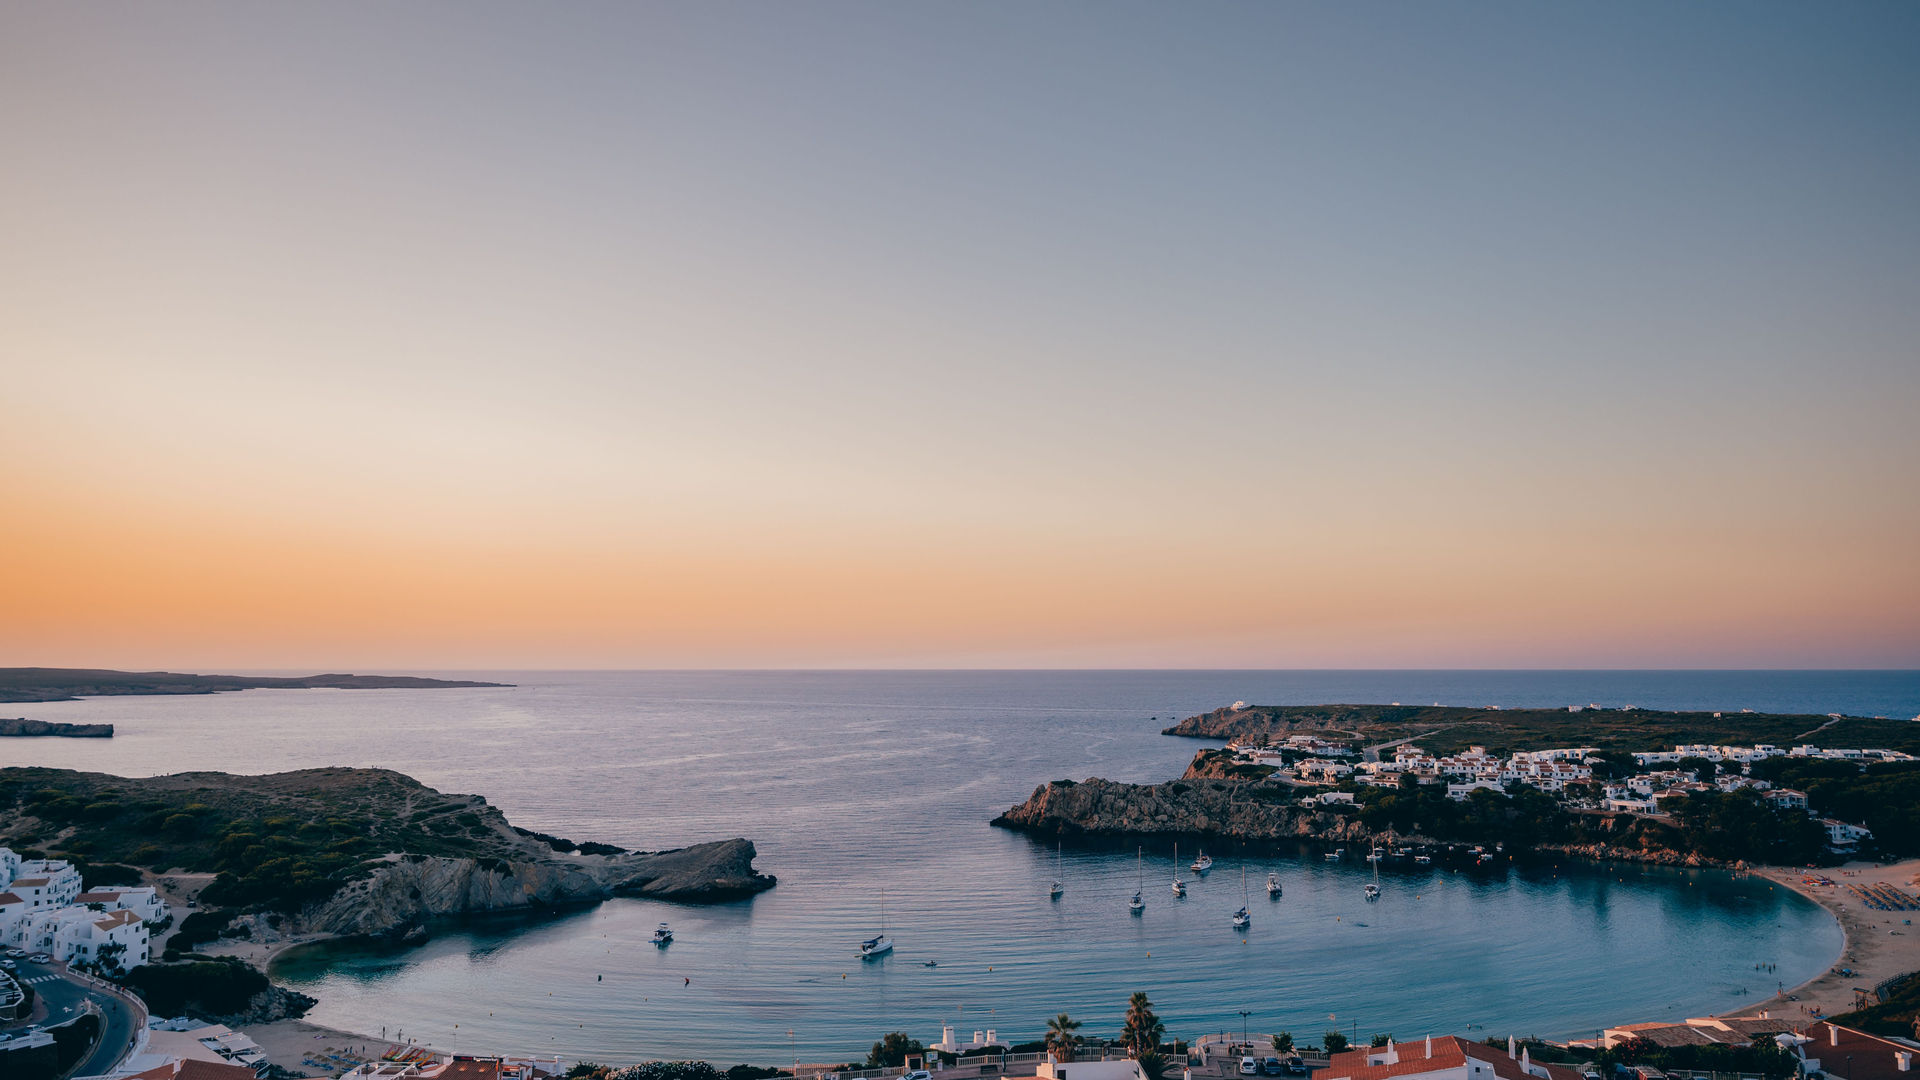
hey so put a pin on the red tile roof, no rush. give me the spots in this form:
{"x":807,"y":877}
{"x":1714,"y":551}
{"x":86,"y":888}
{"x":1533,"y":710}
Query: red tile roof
{"x":194,"y":1069}
{"x":9,"y":898}
{"x":1872,"y":1057}
{"x":1449,"y":1052}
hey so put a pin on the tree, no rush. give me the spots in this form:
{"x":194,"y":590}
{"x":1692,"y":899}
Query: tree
{"x":1143,"y":1030}
{"x":1153,"y":1064}
{"x":1335,"y":1042}
{"x":1061,"y":1037}
{"x":1283,"y":1043}
{"x":1381,"y":1040}
{"x":892,"y":1050}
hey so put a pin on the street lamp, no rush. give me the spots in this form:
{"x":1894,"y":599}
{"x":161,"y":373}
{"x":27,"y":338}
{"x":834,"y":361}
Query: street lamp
{"x":1244,"y":1013}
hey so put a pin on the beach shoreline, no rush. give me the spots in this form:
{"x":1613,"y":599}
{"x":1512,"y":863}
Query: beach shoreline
{"x":1876,"y":945}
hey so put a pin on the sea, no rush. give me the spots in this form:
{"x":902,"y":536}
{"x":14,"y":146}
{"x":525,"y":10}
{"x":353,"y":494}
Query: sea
{"x":869,"y":794}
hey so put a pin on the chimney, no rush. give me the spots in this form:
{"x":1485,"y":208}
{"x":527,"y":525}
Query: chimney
{"x":1510,"y":1048}
{"x":1429,"y":1046}
{"x":1833,"y":1035}
{"x":1903,"y":1060}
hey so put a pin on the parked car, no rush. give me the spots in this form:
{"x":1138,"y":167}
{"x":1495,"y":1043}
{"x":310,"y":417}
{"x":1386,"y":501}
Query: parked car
{"x":8,"y":965}
{"x":1249,"y":1066}
{"x":1296,"y":1066}
{"x":41,"y":958}
{"x":17,"y":954}
{"x":918,"y":1074}
{"x":1272,"y":1067}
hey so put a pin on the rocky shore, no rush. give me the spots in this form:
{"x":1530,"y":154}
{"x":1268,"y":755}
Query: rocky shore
{"x":398,"y":900}
{"x":23,"y":728}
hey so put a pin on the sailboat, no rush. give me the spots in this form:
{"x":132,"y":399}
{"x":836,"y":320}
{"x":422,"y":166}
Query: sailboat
{"x":876,"y":947}
{"x":1373,"y":887}
{"x":1242,"y":918}
{"x":1273,"y":885}
{"x":1179,"y":887}
{"x":1057,"y":887}
{"x":1137,"y":905}
{"x":1202,"y":864}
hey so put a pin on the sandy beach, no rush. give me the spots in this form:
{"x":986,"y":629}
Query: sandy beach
{"x":291,"y":1043}
{"x":1879,"y":945}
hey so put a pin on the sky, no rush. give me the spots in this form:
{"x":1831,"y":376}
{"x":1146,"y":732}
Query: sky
{"x":470,"y":335}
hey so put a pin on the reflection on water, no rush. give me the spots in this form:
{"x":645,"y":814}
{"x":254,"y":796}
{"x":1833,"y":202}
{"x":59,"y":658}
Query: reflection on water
{"x":855,"y":783}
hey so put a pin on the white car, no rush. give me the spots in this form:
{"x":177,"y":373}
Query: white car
{"x":918,"y":1074}
{"x":1249,"y":1066}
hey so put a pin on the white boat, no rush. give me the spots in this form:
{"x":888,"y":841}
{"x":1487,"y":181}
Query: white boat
{"x":1376,"y":855}
{"x":1243,"y":918}
{"x":875,"y":947}
{"x":1273,"y":885}
{"x":1202,"y":864}
{"x":1373,"y":887}
{"x":663,"y":935}
{"x":1137,"y":905}
{"x":1335,"y":854}
{"x":1057,"y":887}
{"x":1179,"y":887}
{"x":1423,"y":860}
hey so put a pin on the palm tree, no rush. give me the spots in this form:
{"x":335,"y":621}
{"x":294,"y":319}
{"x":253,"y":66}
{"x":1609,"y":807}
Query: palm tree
{"x":1143,"y":1029}
{"x":1061,"y":1037}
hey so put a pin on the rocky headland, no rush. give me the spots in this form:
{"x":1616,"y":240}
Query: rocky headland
{"x":347,"y":852}
{"x":22,"y":728}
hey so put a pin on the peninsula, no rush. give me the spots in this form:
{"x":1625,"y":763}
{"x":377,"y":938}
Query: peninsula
{"x":1694,"y":788}
{"x":343,"y":852}
{"x":66,"y":684}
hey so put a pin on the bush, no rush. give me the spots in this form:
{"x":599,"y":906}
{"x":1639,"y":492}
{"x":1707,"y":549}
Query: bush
{"x":199,"y":927}
{"x":892,"y":1050}
{"x":668,"y":1070}
{"x":203,"y":987}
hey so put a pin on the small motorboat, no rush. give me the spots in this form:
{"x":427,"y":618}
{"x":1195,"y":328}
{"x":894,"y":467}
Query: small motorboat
{"x":663,"y":935}
{"x":1273,"y":886}
{"x":1423,"y":860}
{"x":1376,"y":855}
{"x":931,"y":963}
{"x":1202,"y":864}
{"x":1336,"y":854}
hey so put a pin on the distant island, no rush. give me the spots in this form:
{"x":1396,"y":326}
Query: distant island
{"x":343,"y":851}
{"x":23,"y":728}
{"x":1693,"y":788}
{"x":66,"y":684}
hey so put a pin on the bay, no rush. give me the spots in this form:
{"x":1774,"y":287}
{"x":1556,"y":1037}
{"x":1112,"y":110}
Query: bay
{"x":864,"y":788}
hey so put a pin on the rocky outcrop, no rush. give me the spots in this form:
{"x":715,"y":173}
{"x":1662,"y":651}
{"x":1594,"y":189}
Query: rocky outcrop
{"x":404,"y":892}
{"x":1254,"y":812}
{"x":24,"y":728}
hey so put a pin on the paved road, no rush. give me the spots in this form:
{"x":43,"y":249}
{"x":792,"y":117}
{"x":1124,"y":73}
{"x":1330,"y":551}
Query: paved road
{"x":66,"y":996}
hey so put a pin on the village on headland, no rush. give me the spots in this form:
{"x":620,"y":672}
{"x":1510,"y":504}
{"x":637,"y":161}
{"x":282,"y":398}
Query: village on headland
{"x":90,"y":986}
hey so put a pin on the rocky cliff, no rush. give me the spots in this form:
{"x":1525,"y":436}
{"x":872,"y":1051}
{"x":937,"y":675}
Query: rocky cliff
{"x":1181,"y":808}
{"x":405,"y":891}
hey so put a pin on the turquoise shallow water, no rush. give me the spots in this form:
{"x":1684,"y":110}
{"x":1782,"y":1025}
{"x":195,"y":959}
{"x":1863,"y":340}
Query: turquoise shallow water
{"x":855,"y":783}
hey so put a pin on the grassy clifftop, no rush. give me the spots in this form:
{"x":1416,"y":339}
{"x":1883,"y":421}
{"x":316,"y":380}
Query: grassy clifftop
{"x":1446,"y":729}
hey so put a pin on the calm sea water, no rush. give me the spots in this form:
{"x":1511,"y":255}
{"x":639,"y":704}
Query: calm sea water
{"x":870,"y":790}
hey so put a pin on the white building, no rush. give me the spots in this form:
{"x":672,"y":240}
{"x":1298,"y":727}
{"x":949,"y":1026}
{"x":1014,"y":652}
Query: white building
{"x":143,"y":901}
{"x":1842,"y":836}
{"x":45,"y":883}
{"x":1462,"y":792}
{"x":77,"y":935}
{"x":1446,"y":1058}
{"x":1123,"y":1069}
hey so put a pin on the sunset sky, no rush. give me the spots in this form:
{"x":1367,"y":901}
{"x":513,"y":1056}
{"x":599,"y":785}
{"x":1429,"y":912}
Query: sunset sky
{"x":468,"y":335}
